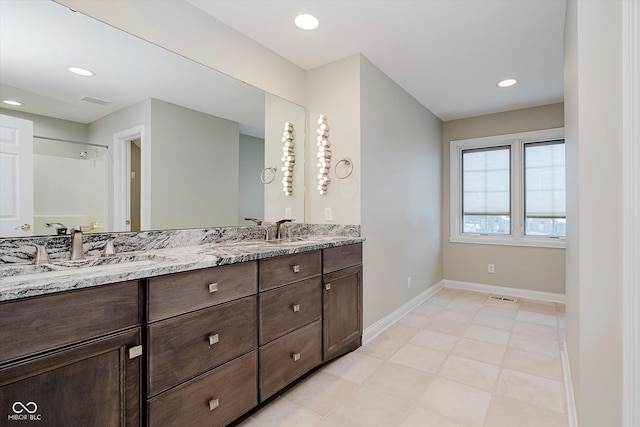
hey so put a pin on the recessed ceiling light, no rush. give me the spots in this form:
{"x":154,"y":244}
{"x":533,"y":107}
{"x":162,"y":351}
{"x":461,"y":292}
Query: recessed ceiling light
{"x":306,"y":22}
{"x":507,"y":82}
{"x":12,"y":102}
{"x":81,"y":71}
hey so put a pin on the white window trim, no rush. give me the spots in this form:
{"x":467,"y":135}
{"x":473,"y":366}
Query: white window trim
{"x":517,"y":236}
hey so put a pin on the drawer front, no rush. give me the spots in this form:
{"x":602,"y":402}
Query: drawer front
{"x":179,"y":293}
{"x":289,"y":357}
{"x":213,"y":399}
{"x":341,"y":257}
{"x":281,"y":270}
{"x":33,"y":325}
{"x":285,"y":309}
{"x":185,"y":346}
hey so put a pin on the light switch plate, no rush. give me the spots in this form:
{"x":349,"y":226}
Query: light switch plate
{"x":328,"y":214}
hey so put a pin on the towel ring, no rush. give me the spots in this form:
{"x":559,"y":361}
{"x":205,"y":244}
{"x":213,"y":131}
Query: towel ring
{"x":264,"y":172}
{"x":349,"y":164}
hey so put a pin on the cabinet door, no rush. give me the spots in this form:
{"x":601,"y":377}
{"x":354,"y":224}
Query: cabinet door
{"x":342,"y":312}
{"x":93,"y":384}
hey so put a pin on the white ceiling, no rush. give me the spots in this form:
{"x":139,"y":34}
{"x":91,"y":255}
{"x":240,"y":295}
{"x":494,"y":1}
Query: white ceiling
{"x":448,"y":54}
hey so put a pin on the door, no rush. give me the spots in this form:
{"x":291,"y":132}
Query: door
{"x":16,"y":177}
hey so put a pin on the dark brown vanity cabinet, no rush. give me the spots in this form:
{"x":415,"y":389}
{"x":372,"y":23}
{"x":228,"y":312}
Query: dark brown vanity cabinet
{"x":72,"y":358}
{"x":342,"y":300}
{"x":202,"y":337}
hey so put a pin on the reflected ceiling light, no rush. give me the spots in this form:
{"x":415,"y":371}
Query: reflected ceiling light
{"x":81,"y":71}
{"x":12,"y":102}
{"x":507,"y":82}
{"x":306,"y":22}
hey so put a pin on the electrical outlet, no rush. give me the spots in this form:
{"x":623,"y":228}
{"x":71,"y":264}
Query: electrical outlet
{"x":328,"y":214}
{"x":409,"y":282}
{"x":491,"y":268}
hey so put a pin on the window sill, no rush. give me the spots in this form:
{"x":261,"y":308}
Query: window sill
{"x":543,"y":242}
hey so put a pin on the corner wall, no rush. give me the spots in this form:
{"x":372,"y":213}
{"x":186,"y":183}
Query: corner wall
{"x":531,"y":268}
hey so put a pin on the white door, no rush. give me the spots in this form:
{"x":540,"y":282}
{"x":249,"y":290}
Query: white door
{"x":16,"y":177}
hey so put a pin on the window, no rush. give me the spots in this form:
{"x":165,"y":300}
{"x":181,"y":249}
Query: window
{"x":509,"y":189}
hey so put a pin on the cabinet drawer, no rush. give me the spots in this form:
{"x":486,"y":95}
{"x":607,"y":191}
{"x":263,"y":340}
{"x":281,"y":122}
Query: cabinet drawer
{"x":341,"y":257}
{"x":213,"y":399}
{"x":185,"y":346}
{"x":285,"y":309}
{"x":179,"y":293}
{"x":32,"y":325}
{"x":289,"y":357}
{"x":290,"y":268}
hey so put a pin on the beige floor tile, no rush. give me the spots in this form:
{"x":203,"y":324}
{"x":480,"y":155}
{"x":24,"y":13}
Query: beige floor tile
{"x":366,"y":407}
{"x":435,"y":340}
{"x":439,"y":300}
{"x":330,"y":423}
{"x":534,"y":344}
{"x":448,"y":293}
{"x":320,"y":393}
{"x":536,"y":330}
{"x":283,"y":413}
{"x":533,"y":363}
{"x":422,"y":358}
{"x":382,"y":347}
{"x":507,"y":305}
{"x":446,"y":326}
{"x":473,"y":297}
{"x":538,"y":306}
{"x":354,"y":367}
{"x":401,"y":332}
{"x":480,"y":351}
{"x":531,"y":389}
{"x":540,"y":318}
{"x":486,"y":334}
{"x":492,"y":310}
{"x":455,"y":401}
{"x":457,"y":304}
{"x":399,"y":381}
{"x":493,"y":321}
{"x":461,"y":316}
{"x":471,"y":372}
{"x":428,"y":310}
{"x":415,"y":320}
{"x":506,"y":412}
{"x":419,"y":417}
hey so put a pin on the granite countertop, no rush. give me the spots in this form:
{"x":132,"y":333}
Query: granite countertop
{"x":27,"y":280}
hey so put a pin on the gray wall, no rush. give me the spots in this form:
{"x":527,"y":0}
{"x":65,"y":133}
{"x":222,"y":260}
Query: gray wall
{"x":540,"y":269}
{"x":401,"y":194}
{"x":251,"y":189}
{"x":593,"y":96}
{"x":194,"y":173}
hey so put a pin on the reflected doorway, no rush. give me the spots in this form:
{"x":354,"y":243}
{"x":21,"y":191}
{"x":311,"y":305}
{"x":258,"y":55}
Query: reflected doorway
{"x":133,"y":148}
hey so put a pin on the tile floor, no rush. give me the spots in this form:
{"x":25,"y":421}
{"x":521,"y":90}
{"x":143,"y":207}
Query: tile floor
{"x":459,"y":359}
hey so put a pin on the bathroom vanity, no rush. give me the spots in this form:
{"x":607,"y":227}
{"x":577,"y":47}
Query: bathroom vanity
{"x":199,"y":337}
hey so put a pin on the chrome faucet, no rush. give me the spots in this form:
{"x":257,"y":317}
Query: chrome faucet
{"x":41,"y":256}
{"x":279,"y":234}
{"x":61,"y":229}
{"x":77,"y":250}
{"x":256,"y":220}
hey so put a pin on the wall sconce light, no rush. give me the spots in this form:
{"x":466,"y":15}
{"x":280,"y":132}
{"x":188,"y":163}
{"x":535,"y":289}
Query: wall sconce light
{"x":288,"y":159}
{"x":324,"y":154}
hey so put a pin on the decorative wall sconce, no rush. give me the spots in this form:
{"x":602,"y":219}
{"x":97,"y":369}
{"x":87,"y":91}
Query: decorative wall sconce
{"x":288,"y":159}
{"x":324,"y":154}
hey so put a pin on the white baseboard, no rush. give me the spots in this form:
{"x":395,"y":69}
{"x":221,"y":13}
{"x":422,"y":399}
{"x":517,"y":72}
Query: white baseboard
{"x":383,"y":324}
{"x":572,"y":415}
{"x":509,"y":292}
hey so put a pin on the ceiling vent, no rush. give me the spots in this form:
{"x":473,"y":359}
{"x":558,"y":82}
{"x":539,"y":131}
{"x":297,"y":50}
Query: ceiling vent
{"x":96,"y":100}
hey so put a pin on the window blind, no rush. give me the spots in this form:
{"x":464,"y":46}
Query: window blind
{"x":544,"y":179}
{"x":486,"y":181}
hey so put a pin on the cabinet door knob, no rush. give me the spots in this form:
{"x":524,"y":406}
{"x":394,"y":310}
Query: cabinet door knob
{"x":296,"y":268}
{"x":295,"y":356}
{"x":327,"y":286}
{"x":135,"y":352}
{"x":213,"y":404}
{"x":295,"y":308}
{"x":213,"y":287}
{"x":213,"y":339}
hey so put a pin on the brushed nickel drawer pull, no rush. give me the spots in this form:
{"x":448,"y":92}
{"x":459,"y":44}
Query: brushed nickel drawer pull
{"x":213,"y":287}
{"x":213,"y":339}
{"x":295,"y":308}
{"x":295,"y":356}
{"x":135,"y":352}
{"x":296,"y":268}
{"x":213,"y":404}
{"x":327,"y":286}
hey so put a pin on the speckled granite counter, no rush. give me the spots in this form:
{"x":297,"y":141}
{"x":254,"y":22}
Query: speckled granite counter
{"x":94,"y":271}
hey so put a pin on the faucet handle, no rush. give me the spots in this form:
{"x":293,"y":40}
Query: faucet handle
{"x":41,"y":256}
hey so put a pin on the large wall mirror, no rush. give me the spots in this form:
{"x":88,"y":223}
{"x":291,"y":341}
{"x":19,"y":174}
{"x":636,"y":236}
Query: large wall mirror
{"x":152,"y":140}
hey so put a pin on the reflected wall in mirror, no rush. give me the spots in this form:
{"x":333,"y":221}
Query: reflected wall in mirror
{"x":203,"y":138}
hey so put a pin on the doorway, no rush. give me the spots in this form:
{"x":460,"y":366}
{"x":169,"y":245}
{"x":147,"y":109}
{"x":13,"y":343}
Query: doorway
{"x":130,"y":172}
